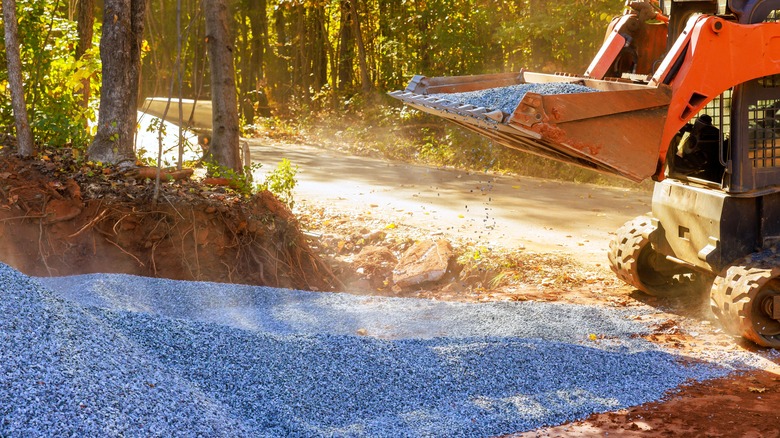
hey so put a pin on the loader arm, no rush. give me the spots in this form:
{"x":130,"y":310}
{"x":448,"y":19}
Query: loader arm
{"x":711,"y":56}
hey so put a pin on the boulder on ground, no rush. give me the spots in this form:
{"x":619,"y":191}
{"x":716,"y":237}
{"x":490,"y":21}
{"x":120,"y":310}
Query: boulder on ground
{"x":424,"y":262}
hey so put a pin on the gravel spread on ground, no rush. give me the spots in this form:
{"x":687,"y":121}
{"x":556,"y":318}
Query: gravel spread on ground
{"x":119,"y":355}
{"x":506,"y":99}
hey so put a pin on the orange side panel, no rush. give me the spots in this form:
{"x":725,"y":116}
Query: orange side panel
{"x":711,"y":56}
{"x":612,"y":46}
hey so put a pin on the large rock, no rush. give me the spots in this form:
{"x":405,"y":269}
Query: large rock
{"x":424,"y":262}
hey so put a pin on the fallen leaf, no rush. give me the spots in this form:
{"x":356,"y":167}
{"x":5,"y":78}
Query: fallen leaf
{"x":757,"y":390}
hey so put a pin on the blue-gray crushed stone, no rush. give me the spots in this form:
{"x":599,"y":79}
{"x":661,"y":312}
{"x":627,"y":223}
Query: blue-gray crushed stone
{"x":118,"y":355}
{"x":506,"y":99}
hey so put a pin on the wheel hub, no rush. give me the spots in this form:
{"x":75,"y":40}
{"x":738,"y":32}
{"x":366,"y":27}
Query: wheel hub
{"x":767,"y":305}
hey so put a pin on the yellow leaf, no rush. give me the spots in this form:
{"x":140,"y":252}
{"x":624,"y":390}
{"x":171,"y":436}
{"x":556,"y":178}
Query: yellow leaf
{"x":390,"y":226}
{"x":757,"y":390}
{"x":461,"y":216}
{"x":592,"y":337}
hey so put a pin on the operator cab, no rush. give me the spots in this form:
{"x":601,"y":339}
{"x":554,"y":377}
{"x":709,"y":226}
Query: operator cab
{"x":697,"y":152}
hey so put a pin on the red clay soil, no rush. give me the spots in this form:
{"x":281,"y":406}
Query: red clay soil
{"x":739,"y":406}
{"x":63,"y":217}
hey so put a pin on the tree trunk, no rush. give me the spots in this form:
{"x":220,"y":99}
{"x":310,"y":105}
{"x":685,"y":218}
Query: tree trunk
{"x":364,"y":77}
{"x":24,"y":138}
{"x":258,"y":23}
{"x":300,"y":58}
{"x":346,"y":53}
{"x":278,"y":75}
{"x":120,"y":51}
{"x":86,"y":19}
{"x":319,"y":53}
{"x":224,"y":148}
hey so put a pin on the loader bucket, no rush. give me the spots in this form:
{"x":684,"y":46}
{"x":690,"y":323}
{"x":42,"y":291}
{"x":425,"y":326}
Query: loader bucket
{"x":613,"y":127}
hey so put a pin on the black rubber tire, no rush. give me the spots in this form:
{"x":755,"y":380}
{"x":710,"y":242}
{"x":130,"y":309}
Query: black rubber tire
{"x":740,"y":295}
{"x":631,"y":257}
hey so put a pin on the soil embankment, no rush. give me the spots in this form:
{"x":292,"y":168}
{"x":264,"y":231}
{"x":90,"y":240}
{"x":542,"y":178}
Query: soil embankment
{"x":60,"y":217}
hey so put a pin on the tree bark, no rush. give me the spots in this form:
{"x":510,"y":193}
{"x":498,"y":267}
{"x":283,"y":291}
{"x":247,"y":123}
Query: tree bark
{"x":258,"y":23}
{"x":120,"y":51}
{"x":364,"y":77}
{"x":24,"y":138}
{"x":346,"y":53}
{"x":224,"y":148}
{"x":278,"y":74}
{"x":86,"y":19}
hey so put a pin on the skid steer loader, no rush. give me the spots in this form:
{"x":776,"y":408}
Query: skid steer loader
{"x":686,"y":93}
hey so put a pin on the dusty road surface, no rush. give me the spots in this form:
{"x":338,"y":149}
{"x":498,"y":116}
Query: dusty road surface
{"x":493,"y":210}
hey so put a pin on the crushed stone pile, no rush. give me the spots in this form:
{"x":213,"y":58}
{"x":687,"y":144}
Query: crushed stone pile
{"x":506,"y":99}
{"x":119,"y":355}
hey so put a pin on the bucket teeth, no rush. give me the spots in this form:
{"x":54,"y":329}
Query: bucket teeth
{"x":496,"y":115}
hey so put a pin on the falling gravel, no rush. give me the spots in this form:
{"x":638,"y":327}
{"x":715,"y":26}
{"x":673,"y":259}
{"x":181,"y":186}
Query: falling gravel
{"x":506,"y":99}
{"x":118,"y":355}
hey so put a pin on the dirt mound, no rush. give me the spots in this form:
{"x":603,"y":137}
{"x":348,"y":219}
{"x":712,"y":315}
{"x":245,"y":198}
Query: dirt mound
{"x":62,"y":216}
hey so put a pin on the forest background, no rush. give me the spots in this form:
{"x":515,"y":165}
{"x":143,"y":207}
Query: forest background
{"x":316,"y":69}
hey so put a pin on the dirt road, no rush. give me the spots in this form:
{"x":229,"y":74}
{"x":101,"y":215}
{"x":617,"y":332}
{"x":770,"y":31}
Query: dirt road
{"x":492,"y":210}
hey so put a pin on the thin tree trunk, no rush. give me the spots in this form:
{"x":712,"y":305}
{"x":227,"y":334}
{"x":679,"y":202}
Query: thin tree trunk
{"x":180,"y":80}
{"x":224,"y":148}
{"x":364,"y":77}
{"x":120,"y":50}
{"x":258,"y":23}
{"x":86,"y":19}
{"x":279,"y":78}
{"x":346,"y":52}
{"x":24,"y":138}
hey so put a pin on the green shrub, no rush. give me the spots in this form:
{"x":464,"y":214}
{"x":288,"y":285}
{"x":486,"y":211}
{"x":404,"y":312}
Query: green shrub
{"x":52,"y":77}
